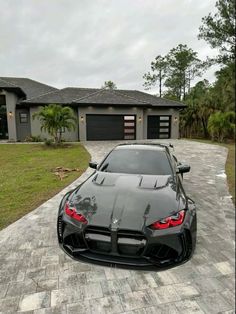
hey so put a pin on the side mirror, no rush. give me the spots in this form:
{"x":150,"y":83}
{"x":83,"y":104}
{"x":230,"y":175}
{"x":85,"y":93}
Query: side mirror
{"x":93,"y":165}
{"x":183,"y":168}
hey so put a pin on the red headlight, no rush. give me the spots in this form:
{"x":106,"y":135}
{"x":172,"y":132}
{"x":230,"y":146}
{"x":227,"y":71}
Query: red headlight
{"x":71,"y":211}
{"x":168,"y":222}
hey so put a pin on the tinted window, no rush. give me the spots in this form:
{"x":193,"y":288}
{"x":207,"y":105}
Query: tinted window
{"x":23,"y":117}
{"x":137,"y":161}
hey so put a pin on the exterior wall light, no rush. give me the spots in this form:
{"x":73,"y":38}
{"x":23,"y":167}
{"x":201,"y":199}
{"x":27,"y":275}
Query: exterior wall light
{"x":175,"y":119}
{"x":10,"y":114}
{"x":82,"y":119}
{"x":140,"y":119}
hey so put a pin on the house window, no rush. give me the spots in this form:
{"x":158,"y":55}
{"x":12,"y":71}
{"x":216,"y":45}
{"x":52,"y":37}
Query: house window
{"x":23,"y":117}
{"x":128,"y":118}
{"x":165,"y":118}
{"x":129,"y":127}
{"x":2,"y":100}
{"x":163,"y":135}
{"x":129,"y":123}
{"x":163,"y":130}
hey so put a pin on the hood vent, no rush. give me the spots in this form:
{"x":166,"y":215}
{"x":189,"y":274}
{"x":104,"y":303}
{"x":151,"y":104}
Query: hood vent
{"x":140,"y":181}
{"x":153,"y":182}
{"x":105,"y":179}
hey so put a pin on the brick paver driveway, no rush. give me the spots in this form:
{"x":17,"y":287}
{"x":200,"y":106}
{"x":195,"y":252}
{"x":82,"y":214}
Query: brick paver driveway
{"x":37,"y":277}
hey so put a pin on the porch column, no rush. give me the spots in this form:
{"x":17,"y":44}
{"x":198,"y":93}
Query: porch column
{"x":11,"y":100}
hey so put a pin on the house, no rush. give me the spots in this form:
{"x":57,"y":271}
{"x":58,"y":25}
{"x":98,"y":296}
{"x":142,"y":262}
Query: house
{"x":102,"y":114}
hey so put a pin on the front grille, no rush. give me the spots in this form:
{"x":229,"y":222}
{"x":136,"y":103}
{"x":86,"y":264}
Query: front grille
{"x":130,"y":234}
{"x":128,"y":243}
{"x":98,"y":239}
{"x":131,"y":243}
{"x":98,"y":230}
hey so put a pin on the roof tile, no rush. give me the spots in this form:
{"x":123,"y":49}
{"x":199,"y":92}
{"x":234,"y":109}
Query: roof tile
{"x":38,"y":93}
{"x":30,"y":87}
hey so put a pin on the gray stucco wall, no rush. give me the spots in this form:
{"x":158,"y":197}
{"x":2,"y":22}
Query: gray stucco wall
{"x":141,"y":118}
{"x":71,"y":136}
{"x":11,"y":100}
{"x":82,"y":111}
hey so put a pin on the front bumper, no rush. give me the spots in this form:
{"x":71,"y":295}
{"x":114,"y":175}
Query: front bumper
{"x":125,"y":248}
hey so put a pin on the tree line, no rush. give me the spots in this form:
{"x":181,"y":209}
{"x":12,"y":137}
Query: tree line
{"x":210,"y":107}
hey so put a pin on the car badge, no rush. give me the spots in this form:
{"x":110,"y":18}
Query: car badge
{"x":114,"y":221}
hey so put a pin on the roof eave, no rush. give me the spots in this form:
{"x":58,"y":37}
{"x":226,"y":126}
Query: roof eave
{"x":109,"y":104}
{"x":74,"y":104}
{"x":16,"y":90}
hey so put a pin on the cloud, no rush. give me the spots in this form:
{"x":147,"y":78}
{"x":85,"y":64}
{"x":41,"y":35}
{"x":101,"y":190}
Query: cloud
{"x":83,"y":43}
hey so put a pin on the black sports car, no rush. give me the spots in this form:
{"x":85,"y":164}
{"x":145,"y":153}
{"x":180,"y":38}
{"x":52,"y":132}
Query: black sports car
{"x":131,"y":211}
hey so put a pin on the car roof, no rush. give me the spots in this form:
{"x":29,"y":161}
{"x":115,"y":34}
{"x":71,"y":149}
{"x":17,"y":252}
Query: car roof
{"x":144,"y":146}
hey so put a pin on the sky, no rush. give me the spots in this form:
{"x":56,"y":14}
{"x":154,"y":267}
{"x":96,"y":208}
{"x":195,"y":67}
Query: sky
{"x":82,"y":43}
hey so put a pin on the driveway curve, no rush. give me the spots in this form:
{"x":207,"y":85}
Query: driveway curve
{"x":37,"y":277}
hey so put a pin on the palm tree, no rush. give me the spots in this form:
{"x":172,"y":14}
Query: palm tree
{"x":221,"y":124}
{"x":54,"y":118}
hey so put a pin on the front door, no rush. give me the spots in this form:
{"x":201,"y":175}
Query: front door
{"x":22,"y":124}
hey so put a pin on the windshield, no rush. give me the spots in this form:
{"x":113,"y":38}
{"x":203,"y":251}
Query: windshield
{"x":137,"y":161}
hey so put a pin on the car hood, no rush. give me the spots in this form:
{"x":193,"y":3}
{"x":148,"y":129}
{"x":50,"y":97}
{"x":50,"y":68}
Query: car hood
{"x":127,"y":201}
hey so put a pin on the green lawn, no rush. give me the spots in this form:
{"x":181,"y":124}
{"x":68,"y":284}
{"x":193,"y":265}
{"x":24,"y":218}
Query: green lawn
{"x":230,"y":163}
{"x":27,"y":179}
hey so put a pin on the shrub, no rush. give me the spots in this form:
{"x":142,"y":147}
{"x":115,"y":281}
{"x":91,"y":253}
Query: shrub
{"x":33,"y":138}
{"x":48,"y":142}
{"x":221,"y":125}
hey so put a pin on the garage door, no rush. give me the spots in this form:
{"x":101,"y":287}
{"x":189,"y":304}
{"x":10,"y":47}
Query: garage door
{"x":110,"y":127}
{"x":159,"y":127}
